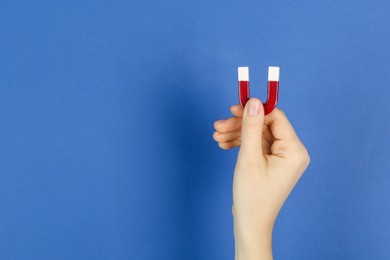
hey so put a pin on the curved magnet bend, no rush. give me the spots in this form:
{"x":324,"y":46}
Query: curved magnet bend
{"x":273,"y":88}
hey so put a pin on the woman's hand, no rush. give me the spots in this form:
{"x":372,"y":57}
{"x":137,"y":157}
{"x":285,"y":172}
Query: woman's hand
{"x":270,"y":162}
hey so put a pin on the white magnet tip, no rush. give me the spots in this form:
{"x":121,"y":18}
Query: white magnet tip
{"x":243,"y":74}
{"x":273,"y":73}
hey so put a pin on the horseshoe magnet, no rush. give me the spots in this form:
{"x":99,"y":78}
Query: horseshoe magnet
{"x":273,"y":88}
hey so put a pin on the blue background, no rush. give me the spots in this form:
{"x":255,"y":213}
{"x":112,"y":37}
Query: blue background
{"x":107,"y":110}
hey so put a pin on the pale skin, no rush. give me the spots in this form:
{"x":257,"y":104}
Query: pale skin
{"x":270,"y":162}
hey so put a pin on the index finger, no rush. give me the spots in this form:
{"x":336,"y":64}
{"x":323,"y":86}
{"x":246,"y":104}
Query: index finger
{"x":280,"y":126}
{"x":236,"y":110}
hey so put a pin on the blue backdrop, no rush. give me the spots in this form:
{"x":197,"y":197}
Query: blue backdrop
{"x":107,"y":110}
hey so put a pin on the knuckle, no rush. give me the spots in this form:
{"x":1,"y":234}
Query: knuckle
{"x":300,"y":156}
{"x":251,"y":125}
{"x":217,"y":136}
{"x":216,"y":126}
{"x":280,"y":114}
{"x":304,"y":158}
{"x":221,"y":138}
{"x":307,"y":159}
{"x":303,"y":154}
{"x":223,"y":146}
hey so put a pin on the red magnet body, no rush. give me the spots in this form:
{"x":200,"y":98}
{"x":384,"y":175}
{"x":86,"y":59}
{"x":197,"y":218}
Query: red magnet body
{"x":272,"y":92}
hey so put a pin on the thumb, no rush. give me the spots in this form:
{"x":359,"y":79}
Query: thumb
{"x":252,"y":130}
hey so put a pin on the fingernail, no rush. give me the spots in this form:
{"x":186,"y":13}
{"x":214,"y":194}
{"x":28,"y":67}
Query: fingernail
{"x":254,"y":107}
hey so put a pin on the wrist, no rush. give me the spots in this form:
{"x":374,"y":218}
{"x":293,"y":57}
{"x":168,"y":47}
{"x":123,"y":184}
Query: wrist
{"x":253,"y":248}
{"x":254,"y":242}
